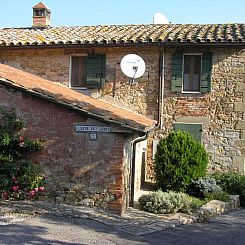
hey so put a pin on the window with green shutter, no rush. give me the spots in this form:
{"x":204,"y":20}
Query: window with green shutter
{"x":177,"y":72}
{"x":191,"y":72}
{"x":88,"y":71}
{"x":206,"y":72}
{"x":95,"y":71}
{"x":194,"y":129}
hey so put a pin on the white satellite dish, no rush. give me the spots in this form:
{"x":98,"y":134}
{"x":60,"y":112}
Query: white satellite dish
{"x":132,"y":66}
{"x":160,"y":18}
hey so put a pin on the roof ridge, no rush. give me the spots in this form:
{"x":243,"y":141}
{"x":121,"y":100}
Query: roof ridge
{"x":124,"y":34}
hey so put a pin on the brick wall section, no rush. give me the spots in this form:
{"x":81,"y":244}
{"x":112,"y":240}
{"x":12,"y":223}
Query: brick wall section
{"x":78,"y":170}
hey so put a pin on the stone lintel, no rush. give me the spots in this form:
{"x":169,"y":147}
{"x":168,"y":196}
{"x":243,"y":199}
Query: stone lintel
{"x":240,"y":143}
{"x":241,"y":87}
{"x":240,"y":125}
{"x":192,"y":119}
{"x":243,"y":134}
{"x":239,"y":164}
{"x":239,"y":106}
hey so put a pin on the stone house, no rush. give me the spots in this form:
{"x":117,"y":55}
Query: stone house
{"x":194,"y":78}
{"x":90,"y":145}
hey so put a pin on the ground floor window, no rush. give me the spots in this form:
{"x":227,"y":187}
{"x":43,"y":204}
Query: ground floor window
{"x":194,"y":129}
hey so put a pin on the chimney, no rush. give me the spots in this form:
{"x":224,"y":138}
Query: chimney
{"x":41,"y":16}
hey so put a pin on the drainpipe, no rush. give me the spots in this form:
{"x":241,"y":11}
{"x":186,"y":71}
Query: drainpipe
{"x":159,"y":123}
{"x":161,"y":87}
{"x":137,"y":140}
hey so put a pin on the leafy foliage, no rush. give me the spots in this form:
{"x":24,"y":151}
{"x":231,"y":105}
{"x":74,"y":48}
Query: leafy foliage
{"x":221,"y":196}
{"x":203,"y":186}
{"x":19,"y":178}
{"x":232,"y":183}
{"x":169,"y":202}
{"x":178,"y":160}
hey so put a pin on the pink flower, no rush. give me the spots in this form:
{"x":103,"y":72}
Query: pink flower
{"x":36,"y":189}
{"x":21,"y":138}
{"x":4,"y":194}
{"x":15,"y":188}
{"x":41,"y":189}
{"x":32,"y":193}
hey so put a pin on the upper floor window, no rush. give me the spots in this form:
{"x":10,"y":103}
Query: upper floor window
{"x":191,"y":73}
{"x":87,"y":71}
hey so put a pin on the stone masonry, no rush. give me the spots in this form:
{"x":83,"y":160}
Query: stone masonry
{"x":77,"y":170}
{"x":222,"y":111}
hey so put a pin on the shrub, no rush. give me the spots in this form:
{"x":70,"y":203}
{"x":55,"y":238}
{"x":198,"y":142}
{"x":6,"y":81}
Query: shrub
{"x":203,"y":186}
{"x":178,"y":160}
{"x":19,"y":178}
{"x":232,"y":183}
{"x":221,"y":196}
{"x":168,"y":202}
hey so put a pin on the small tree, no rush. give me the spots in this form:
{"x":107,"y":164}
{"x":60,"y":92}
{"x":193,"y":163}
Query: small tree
{"x":19,"y":178}
{"x":178,"y":160}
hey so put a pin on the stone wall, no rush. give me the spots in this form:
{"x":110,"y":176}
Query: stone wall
{"x":221,"y":111}
{"x":54,"y":65}
{"x":78,"y":170}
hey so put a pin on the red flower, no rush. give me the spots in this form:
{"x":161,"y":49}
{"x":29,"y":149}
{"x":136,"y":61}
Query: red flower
{"x":41,"y":189}
{"x":4,"y":194}
{"x":15,"y":188}
{"x":21,"y":138}
{"x":32,"y":193}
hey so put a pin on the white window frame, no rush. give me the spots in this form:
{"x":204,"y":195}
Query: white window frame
{"x":183,"y":65}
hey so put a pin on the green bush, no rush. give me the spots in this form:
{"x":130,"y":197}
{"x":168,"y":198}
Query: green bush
{"x":19,"y":178}
{"x":232,"y":183}
{"x":221,"y":196}
{"x":203,"y":186}
{"x":169,"y":202}
{"x":178,"y":160}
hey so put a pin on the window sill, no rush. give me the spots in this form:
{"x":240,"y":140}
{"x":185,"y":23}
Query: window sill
{"x":190,"y":92}
{"x":79,"y":88}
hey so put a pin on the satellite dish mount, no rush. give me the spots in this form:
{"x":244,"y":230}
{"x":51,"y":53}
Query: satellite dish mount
{"x":133,"y":66}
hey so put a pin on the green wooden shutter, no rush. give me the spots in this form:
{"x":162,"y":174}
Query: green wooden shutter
{"x":177,"y":77}
{"x":206,"y":72}
{"x":195,"y":130}
{"x":95,"y":71}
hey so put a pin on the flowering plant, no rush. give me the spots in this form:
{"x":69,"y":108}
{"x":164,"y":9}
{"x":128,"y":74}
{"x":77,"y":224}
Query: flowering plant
{"x":19,"y":178}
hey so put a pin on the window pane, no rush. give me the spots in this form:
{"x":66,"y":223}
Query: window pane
{"x":195,"y":130}
{"x":192,"y":72}
{"x":78,"y":71}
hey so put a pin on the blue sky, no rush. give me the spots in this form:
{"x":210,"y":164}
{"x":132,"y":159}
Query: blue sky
{"x":18,"y":13}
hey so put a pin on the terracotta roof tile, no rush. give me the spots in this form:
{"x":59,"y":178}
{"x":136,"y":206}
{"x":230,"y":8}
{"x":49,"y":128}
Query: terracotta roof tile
{"x":64,"y":95}
{"x":117,"y":34}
